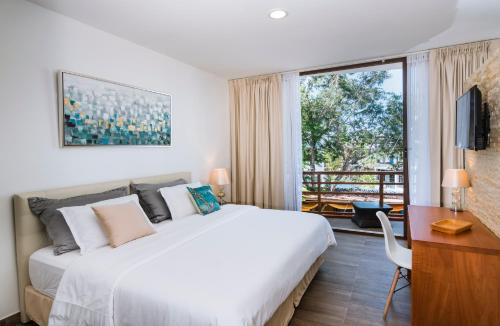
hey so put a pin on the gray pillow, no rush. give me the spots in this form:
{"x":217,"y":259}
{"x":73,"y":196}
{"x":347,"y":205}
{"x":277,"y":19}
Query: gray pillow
{"x":151,"y":200}
{"x":57,"y":229}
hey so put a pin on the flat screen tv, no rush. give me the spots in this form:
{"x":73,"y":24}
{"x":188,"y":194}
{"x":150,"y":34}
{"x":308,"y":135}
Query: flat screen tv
{"x":472,"y":125}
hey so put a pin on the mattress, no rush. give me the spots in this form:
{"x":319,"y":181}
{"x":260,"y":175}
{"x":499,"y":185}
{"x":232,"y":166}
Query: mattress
{"x":47,"y":269}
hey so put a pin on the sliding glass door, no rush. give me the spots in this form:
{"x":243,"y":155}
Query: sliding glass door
{"x":354,"y":143}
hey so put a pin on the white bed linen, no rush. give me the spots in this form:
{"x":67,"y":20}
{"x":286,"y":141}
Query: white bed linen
{"x":46,"y":269}
{"x":232,"y":267}
{"x":179,"y":200}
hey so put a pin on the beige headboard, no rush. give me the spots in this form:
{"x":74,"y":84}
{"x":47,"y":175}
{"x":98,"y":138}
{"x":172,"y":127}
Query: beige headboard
{"x":30,"y":232}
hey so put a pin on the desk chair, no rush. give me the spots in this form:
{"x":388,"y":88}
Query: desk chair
{"x":396,"y":253}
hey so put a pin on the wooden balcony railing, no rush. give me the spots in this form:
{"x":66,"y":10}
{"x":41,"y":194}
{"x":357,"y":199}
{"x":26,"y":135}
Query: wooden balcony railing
{"x":324,"y":195}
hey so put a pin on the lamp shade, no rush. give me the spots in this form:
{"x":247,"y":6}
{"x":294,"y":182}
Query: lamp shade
{"x":219,"y":177}
{"x":455,"y":178}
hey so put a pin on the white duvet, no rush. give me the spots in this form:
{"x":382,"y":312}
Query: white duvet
{"x":232,"y":267}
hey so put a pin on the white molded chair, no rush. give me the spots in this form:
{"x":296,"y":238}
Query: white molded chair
{"x":398,"y":254}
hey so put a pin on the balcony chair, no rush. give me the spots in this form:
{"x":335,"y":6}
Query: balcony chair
{"x":396,"y":253}
{"x":397,"y":208}
{"x":339,"y":206}
{"x":309,"y":207}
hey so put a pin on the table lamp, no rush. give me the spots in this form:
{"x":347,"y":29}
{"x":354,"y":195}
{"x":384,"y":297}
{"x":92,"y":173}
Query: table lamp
{"x":219,"y":178}
{"x":456,"y":179}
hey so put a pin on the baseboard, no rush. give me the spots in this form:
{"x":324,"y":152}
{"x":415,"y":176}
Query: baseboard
{"x":361,"y":232}
{"x":12,"y":320}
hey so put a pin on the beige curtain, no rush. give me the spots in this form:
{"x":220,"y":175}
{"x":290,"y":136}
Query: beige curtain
{"x":448,"y":70}
{"x":256,"y":141}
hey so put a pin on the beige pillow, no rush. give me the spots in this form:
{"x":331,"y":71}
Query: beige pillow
{"x":123,"y":223}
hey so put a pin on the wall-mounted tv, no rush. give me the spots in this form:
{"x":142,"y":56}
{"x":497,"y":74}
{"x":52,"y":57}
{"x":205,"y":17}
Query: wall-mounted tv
{"x":472,"y":125}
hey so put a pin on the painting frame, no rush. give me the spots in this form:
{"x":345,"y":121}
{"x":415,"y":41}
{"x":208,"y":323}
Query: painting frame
{"x":61,"y":118}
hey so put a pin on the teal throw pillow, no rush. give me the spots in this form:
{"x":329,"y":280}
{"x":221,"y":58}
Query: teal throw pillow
{"x":204,"y":199}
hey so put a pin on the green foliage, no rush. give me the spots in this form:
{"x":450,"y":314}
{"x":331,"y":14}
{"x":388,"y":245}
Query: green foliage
{"x":349,"y":122}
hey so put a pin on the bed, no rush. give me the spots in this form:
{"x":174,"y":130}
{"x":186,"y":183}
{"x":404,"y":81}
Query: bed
{"x":184,"y":274}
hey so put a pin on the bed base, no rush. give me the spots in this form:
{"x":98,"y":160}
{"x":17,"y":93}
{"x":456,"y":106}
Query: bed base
{"x":283,"y":315}
{"x":38,"y":305}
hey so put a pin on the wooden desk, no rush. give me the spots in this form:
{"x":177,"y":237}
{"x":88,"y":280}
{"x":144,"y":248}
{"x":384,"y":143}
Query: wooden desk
{"x":455,"y":278}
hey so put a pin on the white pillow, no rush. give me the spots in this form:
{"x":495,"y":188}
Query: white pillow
{"x":85,"y":227}
{"x":179,"y":200}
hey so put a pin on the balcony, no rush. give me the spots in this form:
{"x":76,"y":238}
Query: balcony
{"x":331,"y":194}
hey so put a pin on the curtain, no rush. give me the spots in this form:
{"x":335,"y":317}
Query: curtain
{"x":256,"y":141}
{"x":448,"y":70}
{"x":292,"y":141}
{"x":424,"y":168}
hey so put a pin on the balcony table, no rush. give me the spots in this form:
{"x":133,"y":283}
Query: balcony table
{"x":365,"y":213}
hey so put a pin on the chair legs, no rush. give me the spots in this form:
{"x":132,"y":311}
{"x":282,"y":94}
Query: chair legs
{"x":391,"y":291}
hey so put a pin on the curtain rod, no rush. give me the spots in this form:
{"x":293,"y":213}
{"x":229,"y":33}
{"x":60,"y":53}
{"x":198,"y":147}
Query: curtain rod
{"x":355,"y":62}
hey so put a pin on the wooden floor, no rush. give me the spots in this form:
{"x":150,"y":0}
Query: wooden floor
{"x":351,"y":287}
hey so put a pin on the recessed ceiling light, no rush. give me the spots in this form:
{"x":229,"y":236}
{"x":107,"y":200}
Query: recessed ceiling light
{"x":277,"y":14}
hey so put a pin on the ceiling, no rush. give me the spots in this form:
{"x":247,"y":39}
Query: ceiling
{"x":236,"y":38}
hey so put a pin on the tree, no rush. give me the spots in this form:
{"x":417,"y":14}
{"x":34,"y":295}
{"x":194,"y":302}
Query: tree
{"x":319,"y":117}
{"x":349,"y":122}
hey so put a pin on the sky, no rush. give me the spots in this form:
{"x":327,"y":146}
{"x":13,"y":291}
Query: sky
{"x":395,"y":82}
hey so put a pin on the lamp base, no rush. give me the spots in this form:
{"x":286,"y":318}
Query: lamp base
{"x":456,"y":201}
{"x":221,"y":195}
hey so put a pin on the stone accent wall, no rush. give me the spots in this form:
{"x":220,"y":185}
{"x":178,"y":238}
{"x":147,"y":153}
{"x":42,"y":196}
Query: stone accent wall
{"x":483,"y":167}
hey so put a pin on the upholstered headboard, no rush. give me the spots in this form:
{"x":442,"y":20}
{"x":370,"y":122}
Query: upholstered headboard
{"x":30,"y":232}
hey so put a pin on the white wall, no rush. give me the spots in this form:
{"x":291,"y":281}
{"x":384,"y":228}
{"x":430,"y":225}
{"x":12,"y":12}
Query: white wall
{"x":34,"y":44}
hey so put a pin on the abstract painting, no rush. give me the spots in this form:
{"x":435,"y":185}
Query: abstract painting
{"x":99,"y":112}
